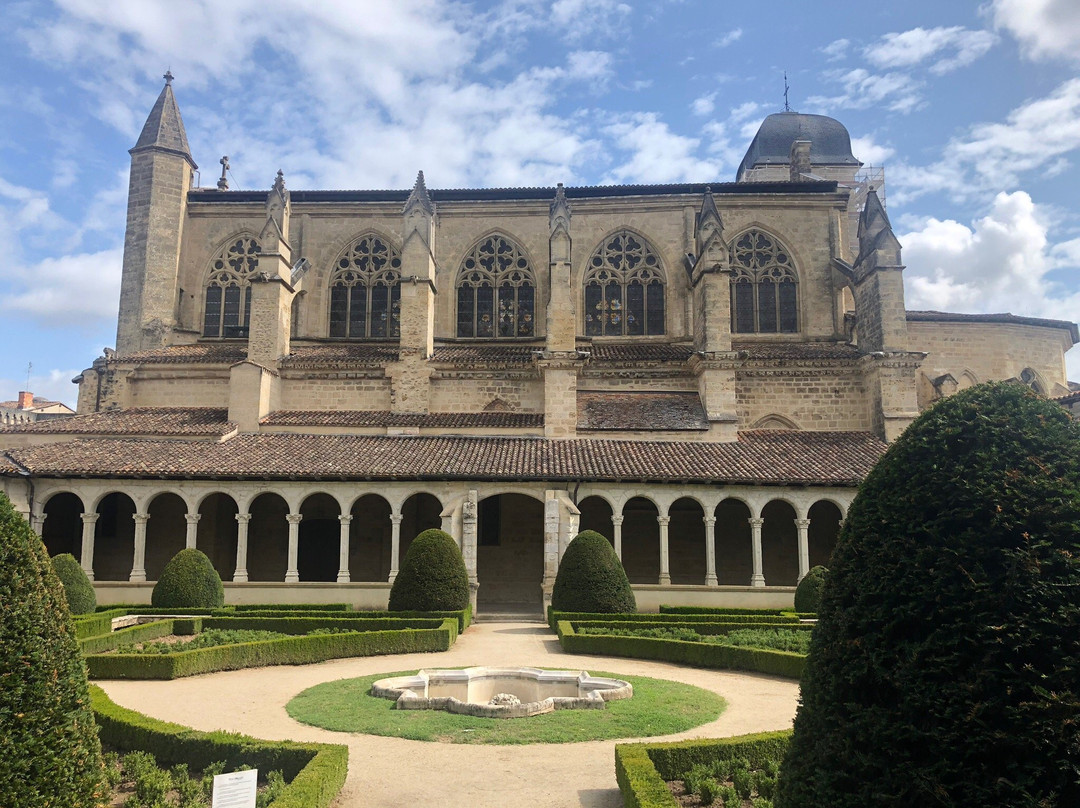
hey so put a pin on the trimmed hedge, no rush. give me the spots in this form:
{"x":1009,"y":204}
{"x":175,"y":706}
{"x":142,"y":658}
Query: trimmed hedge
{"x":643,"y":769}
{"x":711,"y":628}
{"x":315,"y":772}
{"x":293,"y":607}
{"x":189,"y":580}
{"x":808,"y":592}
{"x":718,"y":610}
{"x":91,"y":625}
{"x":432,"y":576}
{"x":81,"y":598}
{"x":698,"y":654}
{"x":679,"y":617}
{"x":591,"y":578}
{"x":132,"y":634}
{"x":288,"y":651}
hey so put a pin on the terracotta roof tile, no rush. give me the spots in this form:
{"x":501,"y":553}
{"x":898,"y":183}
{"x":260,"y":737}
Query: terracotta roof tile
{"x":796,"y":350}
{"x":229,"y":353}
{"x":365,"y":353}
{"x":758,"y":457}
{"x":385,"y":418}
{"x":640,"y":411}
{"x":639,"y":352}
{"x":501,"y":354}
{"x":136,"y":421}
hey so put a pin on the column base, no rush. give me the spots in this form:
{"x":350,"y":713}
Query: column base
{"x":392,"y":576}
{"x":711,"y":580}
{"x":137,"y":575}
{"x":292,"y":577}
{"x":665,"y":580}
{"x":240,"y":577}
{"x":343,"y":577}
{"x":757,"y":580}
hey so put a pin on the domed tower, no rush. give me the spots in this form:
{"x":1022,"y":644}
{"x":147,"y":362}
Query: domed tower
{"x":794,"y":146}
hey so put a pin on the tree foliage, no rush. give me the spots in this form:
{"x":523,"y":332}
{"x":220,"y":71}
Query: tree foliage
{"x":808,"y":592}
{"x":81,"y":598}
{"x":945,"y":666}
{"x":49,"y":751}
{"x":591,"y":578}
{"x":432,"y":577}
{"x":189,"y":580}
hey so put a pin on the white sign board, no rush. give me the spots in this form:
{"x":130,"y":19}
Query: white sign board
{"x":236,"y":790}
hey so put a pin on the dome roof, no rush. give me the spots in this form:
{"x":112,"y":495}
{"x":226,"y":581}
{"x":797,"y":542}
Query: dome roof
{"x":830,"y":143}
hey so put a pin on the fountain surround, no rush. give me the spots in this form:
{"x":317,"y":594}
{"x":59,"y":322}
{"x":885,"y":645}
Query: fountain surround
{"x":501,"y":692}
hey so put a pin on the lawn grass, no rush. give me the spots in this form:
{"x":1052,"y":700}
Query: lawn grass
{"x":658,"y":707}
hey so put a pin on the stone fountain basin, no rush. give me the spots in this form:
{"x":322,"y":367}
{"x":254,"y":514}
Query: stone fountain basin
{"x":471,"y":691}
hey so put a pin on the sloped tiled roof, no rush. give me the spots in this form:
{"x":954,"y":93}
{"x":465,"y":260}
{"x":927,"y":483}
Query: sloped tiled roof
{"x":640,"y":411}
{"x":639,"y":352}
{"x":501,"y":354}
{"x":758,"y":457}
{"x":209,"y":421}
{"x":229,"y":353}
{"x":385,"y":418}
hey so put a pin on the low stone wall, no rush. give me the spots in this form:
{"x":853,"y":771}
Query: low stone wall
{"x":359,"y":596}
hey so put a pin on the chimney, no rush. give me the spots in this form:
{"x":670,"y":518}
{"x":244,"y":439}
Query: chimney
{"x":800,"y":159}
{"x":26,"y":400}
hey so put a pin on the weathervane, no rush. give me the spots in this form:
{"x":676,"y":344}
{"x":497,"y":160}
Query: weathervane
{"x":787,"y":106}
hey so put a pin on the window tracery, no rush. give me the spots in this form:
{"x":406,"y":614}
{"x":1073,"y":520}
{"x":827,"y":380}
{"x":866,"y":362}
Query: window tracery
{"x":764,"y":286}
{"x":365,"y":295}
{"x":496,"y":291}
{"x":227,"y":309}
{"x":624,"y":288}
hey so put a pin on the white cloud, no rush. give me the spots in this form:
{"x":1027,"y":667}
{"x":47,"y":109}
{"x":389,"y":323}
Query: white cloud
{"x":704,"y":105}
{"x":82,"y":289}
{"x":655,"y":153}
{"x":997,"y":264}
{"x":584,"y":18}
{"x":896,"y":91}
{"x":1046,"y":29}
{"x":836,"y":50}
{"x":731,"y":36}
{"x":949,"y":48}
{"x":869,"y":151}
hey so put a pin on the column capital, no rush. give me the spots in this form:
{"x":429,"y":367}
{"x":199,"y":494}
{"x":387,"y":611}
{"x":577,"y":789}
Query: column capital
{"x":709,"y":520}
{"x":294,"y":518}
{"x":193,"y":518}
{"x":140,"y":518}
{"x":802,"y":523}
{"x":395,"y":518}
{"x":90,"y":518}
{"x":242,"y":518}
{"x":345,"y":519}
{"x":663,"y":520}
{"x":617,"y":520}
{"x":756,"y":521}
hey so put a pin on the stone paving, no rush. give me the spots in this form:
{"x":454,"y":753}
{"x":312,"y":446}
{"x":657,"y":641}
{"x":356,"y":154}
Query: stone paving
{"x":385,"y":772}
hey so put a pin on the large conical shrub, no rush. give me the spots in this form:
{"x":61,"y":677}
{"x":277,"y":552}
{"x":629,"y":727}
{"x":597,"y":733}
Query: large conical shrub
{"x":591,"y":578}
{"x":189,"y":581}
{"x":432,"y":577}
{"x":945,"y":666}
{"x":49,"y":751}
{"x":808,"y":592}
{"x":81,"y":598}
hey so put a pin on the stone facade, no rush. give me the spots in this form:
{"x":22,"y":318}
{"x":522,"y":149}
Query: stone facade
{"x":701,"y":372}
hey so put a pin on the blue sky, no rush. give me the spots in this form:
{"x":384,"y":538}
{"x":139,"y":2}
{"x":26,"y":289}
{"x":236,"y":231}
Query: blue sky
{"x":974,"y":110}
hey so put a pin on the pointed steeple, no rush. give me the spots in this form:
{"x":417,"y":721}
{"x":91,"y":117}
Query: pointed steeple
{"x":419,"y":198}
{"x":709,"y":234}
{"x":873,"y":218}
{"x":164,"y":128}
{"x":708,"y":217}
{"x":876,"y":237}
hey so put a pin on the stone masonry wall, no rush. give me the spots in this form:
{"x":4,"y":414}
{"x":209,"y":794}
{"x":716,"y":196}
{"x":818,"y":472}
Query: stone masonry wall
{"x":813,"y":399}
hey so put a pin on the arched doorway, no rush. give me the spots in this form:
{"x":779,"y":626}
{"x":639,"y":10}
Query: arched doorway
{"x":596,"y":515}
{"x":370,"y":539}
{"x":419,"y":512}
{"x":217,"y":533}
{"x":166,"y":532}
{"x":318,"y":553}
{"x":686,"y":542}
{"x":734,"y":548}
{"x":641,"y":541}
{"x":62,"y":530}
{"x":779,"y":544}
{"x":268,"y":538}
{"x":825,"y":519}
{"x":114,"y":538}
{"x":510,"y":553}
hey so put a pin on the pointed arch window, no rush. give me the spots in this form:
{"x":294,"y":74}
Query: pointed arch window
{"x":227,"y":308}
{"x":365,"y":291}
{"x":624,"y":288}
{"x":496,"y":291}
{"x":764,"y":286}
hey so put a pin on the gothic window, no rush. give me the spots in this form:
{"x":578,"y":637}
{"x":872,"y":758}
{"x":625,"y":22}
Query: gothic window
{"x":496,"y":291}
{"x":365,"y":296}
{"x":764,"y":286}
{"x":624,"y":289}
{"x":227,"y":312}
{"x":1030,"y":378}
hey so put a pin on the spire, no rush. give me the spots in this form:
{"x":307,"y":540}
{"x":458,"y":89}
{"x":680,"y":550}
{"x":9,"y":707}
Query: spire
{"x":878,"y":245}
{"x":164,"y":128}
{"x":708,"y":213}
{"x":559,"y":213}
{"x":873,"y":218}
{"x":419,"y":197}
{"x":709,"y":232}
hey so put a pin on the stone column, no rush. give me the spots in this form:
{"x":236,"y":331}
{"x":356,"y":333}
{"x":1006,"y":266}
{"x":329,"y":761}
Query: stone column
{"x":551,"y":542}
{"x":616,"y":525}
{"x":292,"y":574}
{"x":758,"y":578}
{"x":665,"y":563}
{"x":468,"y":542}
{"x":395,"y":545}
{"x":89,"y":520}
{"x":710,"y":551}
{"x":242,"y":520}
{"x":192,"y":529}
{"x":343,"y":550}
{"x":37,"y":522}
{"x":804,"y":546}
{"x":138,"y":563}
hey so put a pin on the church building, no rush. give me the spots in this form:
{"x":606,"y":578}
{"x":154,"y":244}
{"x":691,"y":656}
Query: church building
{"x":305,"y":380}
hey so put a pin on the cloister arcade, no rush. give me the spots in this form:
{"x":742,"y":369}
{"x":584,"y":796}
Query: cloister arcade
{"x":512,"y":536}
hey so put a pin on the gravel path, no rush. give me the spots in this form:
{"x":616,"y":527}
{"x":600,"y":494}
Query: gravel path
{"x":385,"y":772}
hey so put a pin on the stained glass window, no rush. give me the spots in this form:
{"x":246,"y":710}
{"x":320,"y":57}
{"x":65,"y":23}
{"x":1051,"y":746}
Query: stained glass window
{"x":365,"y":295}
{"x":496,"y":291}
{"x":227,"y":306}
{"x":764,"y":286}
{"x":624,"y":289}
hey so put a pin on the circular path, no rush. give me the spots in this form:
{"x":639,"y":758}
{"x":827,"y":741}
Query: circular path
{"x":386,"y":772}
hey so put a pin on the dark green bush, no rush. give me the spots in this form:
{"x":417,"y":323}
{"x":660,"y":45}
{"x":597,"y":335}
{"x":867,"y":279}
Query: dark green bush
{"x":49,"y":751}
{"x":591,"y":578}
{"x":808,"y":592}
{"x":81,"y":598}
{"x":945,"y":666}
{"x":432,"y":576}
{"x":189,"y":580}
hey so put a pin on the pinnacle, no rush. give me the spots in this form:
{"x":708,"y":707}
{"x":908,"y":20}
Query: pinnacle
{"x":164,"y":128}
{"x":419,"y":196}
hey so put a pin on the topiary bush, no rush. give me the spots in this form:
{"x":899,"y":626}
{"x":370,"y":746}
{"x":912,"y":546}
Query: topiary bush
{"x":808,"y":592}
{"x":432,"y":576}
{"x":591,"y":578}
{"x":49,"y":751}
{"x":81,"y":598}
{"x":945,"y":665}
{"x":189,"y":580}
